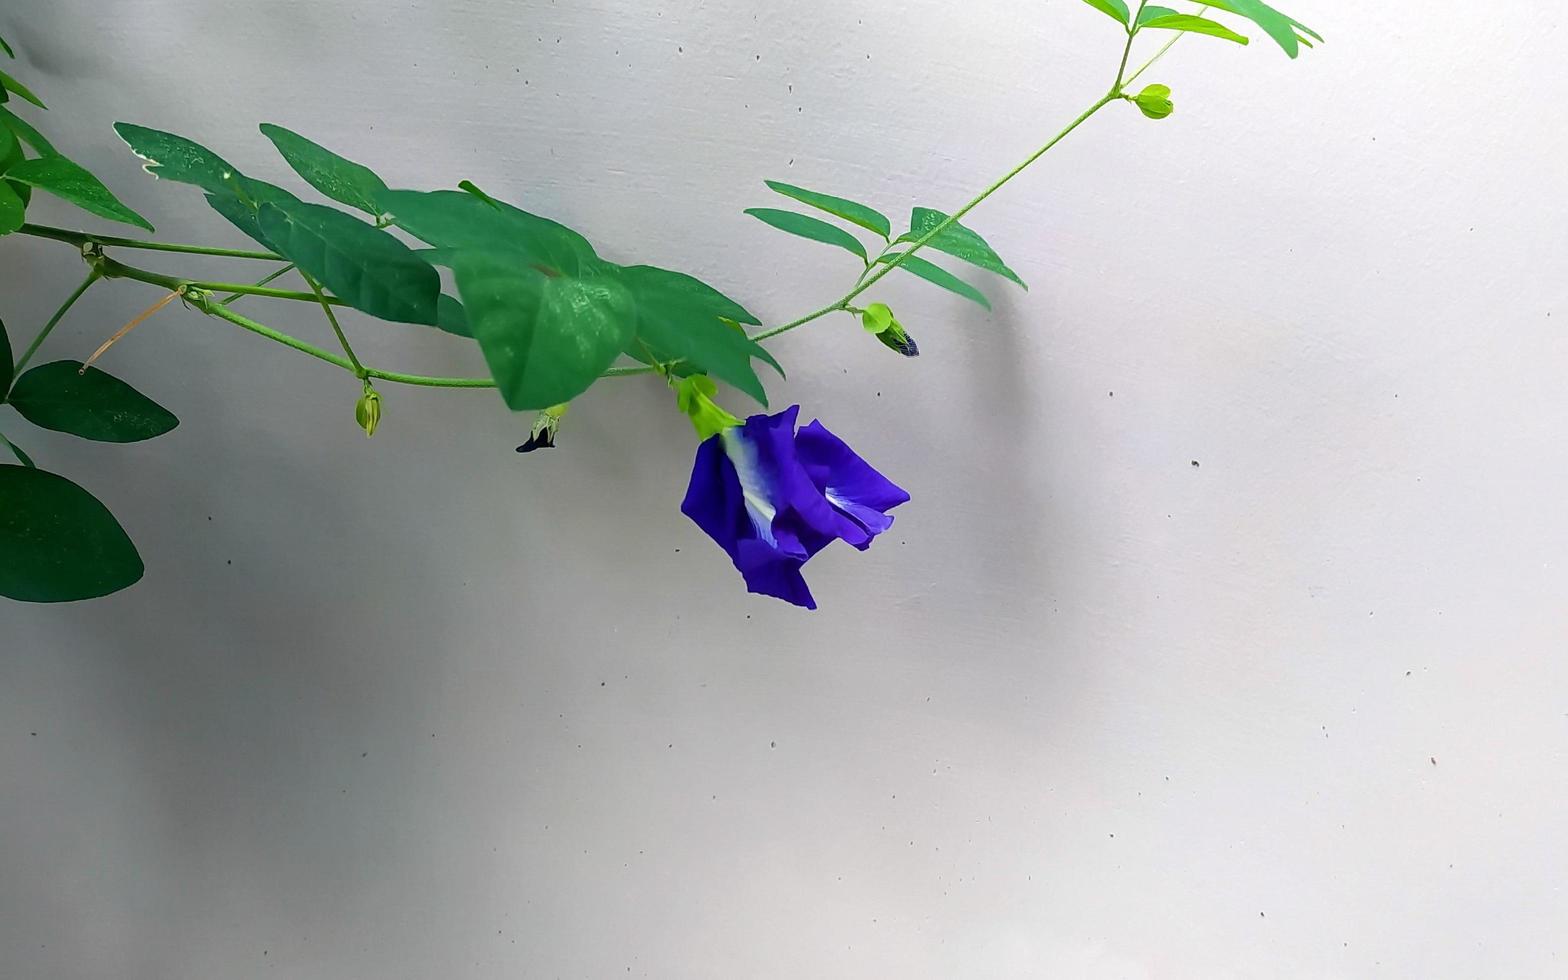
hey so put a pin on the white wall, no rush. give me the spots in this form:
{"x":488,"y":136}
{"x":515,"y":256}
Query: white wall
{"x":419,"y":707}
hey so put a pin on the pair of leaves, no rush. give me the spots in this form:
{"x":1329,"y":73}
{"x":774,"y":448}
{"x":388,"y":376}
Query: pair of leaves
{"x":816,"y":229}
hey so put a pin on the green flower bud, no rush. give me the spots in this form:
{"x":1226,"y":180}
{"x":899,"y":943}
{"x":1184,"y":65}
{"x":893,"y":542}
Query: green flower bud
{"x":1155,"y":101}
{"x":879,"y":320}
{"x":367,"y":411}
{"x":694,"y":395}
{"x":546,"y":425}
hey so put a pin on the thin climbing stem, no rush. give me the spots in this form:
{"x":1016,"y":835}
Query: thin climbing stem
{"x":1203,"y":10}
{"x":79,"y":239}
{"x":93,"y":275}
{"x":315,"y":287}
{"x":276,"y":274}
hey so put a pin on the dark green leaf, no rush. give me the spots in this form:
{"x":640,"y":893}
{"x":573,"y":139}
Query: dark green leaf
{"x":57,"y":542}
{"x":457,"y":220}
{"x":1195,"y":25}
{"x":12,"y":85}
{"x":1278,"y":26}
{"x":7,"y":49}
{"x":13,"y":210}
{"x":682,"y":318}
{"x":365,"y":267}
{"x":545,"y":337}
{"x":176,"y":158}
{"x":26,"y":133}
{"x":451,"y":317}
{"x":73,"y":183}
{"x":241,"y":211}
{"x":933,"y":273}
{"x":10,"y":149}
{"x":957,"y":241}
{"x":93,"y":405}
{"x":866,"y":217}
{"x":7,"y":363}
{"x":341,"y":179}
{"x":1114,"y":9}
{"x":17,"y":452}
{"x":808,"y":227}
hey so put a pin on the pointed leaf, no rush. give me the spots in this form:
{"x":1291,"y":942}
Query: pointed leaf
{"x":808,"y":227}
{"x":7,"y":49}
{"x":682,"y":318}
{"x":933,"y":273}
{"x":1278,"y":26}
{"x":71,"y":182}
{"x":341,"y":179}
{"x":545,"y":337}
{"x":57,"y":542}
{"x":1114,"y":9}
{"x":171,"y":157}
{"x":93,"y":405}
{"x":243,"y":211}
{"x":12,"y":85}
{"x":10,"y":149}
{"x":866,"y":217}
{"x":13,"y":210}
{"x":957,"y":241}
{"x":1196,"y":25}
{"x":365,"y":267}
{"x":451,"y":317}
{"x":18,"y":452}
{"x":26,"y":133}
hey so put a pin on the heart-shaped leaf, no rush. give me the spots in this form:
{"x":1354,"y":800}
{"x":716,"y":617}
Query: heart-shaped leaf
{"x":365,"y":267}
{"x":57,"y":542}
{"x":94,"y":405}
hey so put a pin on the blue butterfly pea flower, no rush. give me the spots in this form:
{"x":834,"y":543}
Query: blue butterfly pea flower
{"x":773,"y":497}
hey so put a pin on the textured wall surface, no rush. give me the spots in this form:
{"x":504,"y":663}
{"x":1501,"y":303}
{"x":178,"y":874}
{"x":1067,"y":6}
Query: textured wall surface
{"x":420,"y":707}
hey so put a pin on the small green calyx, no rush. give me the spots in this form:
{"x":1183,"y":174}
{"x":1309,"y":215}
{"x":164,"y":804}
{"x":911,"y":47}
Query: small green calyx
{"x":878,"y":319}
{"x":367,"y":411}
{"x":546,"y":425}
{"x":1154,"y":101}
{"x":694,"y":395}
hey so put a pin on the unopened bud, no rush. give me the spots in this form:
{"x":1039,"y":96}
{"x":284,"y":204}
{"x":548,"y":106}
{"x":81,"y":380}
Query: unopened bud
{"x":1155,"y":101}
{"x":879,"y":320}
{"x":546,"y":425}
{"x":367,"y":411}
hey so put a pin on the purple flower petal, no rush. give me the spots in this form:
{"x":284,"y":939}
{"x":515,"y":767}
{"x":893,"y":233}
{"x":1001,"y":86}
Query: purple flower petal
{"x":850,"y":484}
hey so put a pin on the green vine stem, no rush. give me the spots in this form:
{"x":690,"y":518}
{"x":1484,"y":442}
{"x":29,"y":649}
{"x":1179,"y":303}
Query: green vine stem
{"x":198,"y":293}
{"x":93,"y":275}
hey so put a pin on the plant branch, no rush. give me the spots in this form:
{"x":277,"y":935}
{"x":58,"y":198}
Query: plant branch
{"x":315,"y":287}
{"x":79,"y":239}
{"x":229,"y":299}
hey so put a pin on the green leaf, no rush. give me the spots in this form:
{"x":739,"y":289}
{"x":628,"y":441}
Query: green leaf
{"x":1278,"y":26}
{"x":451,"y":317}
{"x":10,"y":149}
{"x":365,"y":267}
{"x":457,"y":220}
{"x":73,"y":183}
{"x":852,"y":211}
{"x":171,"y":157}
{"x":7,"y":363}
{"x":545,"y":337}
{"x":1114,"y":9}
{"x":13,"y":210}
{"x":93,"y":405}
{"x":17,"y":451}
{"x":341,"y":179}
{"x":242,"y":206}
{"x":12,"y":85}
{"x":933,"y":273}
{"x":957,"y":241}
{"x":7,"y":49}
{"x":682,"y":318}
{"x":57,"y":542}
{"x":808,"y":227}
{"x":26,"y":133}
{"x":1195,"y":25}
